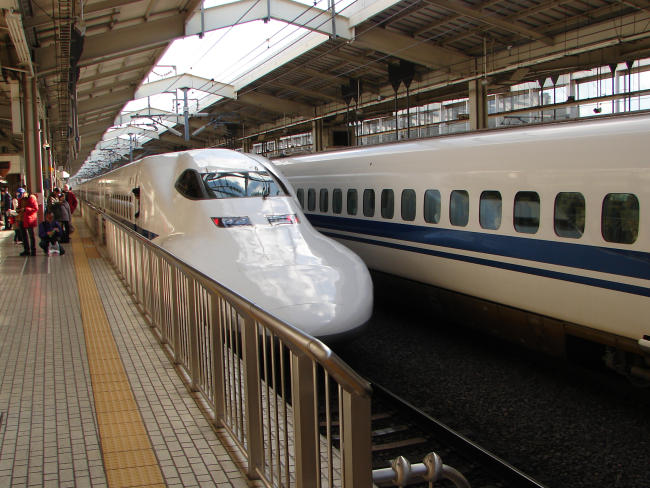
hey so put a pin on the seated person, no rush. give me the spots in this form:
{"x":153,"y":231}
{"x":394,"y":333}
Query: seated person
{"x":50,"y":231}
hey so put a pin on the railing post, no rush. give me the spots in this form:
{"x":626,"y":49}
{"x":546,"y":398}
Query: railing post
{"x":175,"y":325}
{"x":357,"y":443}
{"x":305,"y":428}
{"x":217,"y":361}
{"x":252,"y":400}
{"x":194,"y":335}
{"x":161,"y":301}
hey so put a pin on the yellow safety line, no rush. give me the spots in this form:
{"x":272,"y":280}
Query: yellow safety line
{"x":129,"y":459}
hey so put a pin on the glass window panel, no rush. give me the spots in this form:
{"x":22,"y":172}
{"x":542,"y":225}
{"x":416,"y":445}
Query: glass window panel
{"x":387,"y":204}
{"x":489,"y":213}
{"x":369,"y":203}
{"x":311,"y":199}
{"x":459,"y":208}
{"x":432,"y":206}
{"x":569,"y":214}
{"x":323,"y":200}
{"x":301,"y":197}
{"x":353,"y":198}
{"x":620,"y":218}
{"x":337,"y":201}
{"x":408,"y":205}
{"x":526,"y":218}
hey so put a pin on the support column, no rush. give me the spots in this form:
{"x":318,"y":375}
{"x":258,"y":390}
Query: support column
{"x":32,"y":142}
{"x":478,"y":104}
{"x":317,"y":135}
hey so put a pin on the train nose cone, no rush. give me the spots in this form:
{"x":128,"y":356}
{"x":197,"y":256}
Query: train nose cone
{"x":326,"y":321}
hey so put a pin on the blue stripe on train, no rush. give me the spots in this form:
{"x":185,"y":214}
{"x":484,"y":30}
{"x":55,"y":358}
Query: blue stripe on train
{"x":615,"y":261}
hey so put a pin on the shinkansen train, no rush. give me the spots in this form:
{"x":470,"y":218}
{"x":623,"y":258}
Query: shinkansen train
{"x":542,"y":230}
{"x":235,"y":219}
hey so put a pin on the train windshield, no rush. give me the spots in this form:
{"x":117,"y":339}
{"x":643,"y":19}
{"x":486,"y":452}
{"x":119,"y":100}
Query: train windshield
{"x":237,"y":184}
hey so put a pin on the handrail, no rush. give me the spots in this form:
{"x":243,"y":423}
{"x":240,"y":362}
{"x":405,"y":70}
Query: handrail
{"x":268,"y":383}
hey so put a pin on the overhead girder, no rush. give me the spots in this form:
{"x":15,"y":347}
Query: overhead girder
{"x":39,"y":21}
{"x":185,"y":81}
{"x":274,"y":104}
{"x":116,"y":98}
{"x":155,"y":33}
{"x":84,"y":80}
{"x":483,"y":16}
{"x":409,"y":49}
{"x":244,"y":11}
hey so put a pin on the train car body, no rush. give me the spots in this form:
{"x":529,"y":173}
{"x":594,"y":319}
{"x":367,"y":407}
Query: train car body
{"x":235,"y":219}
{"x":546,"y":223}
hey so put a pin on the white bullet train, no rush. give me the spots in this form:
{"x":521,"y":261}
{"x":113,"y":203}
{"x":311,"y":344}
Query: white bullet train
{"x":235,"y":219}
{"x":544,"y":230}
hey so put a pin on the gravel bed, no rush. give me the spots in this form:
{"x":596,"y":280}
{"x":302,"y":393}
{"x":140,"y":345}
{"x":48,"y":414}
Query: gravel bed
{"x":564,"y":425}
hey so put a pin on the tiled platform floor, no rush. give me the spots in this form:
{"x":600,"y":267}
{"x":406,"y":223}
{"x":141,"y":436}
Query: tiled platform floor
{"x":49,"y":433}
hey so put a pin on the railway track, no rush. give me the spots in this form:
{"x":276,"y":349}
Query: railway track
{"x":400,"y":429}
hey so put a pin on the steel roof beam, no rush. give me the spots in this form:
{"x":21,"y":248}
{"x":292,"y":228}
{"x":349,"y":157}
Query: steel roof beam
{"x":121,"y":42}
{"x":185,"y":81}
{"x":277,"y":105}
{"x":288,"y":11}
{"x":116,"y":98}
{"x":486,"y":17}
{"x":90,"y":8}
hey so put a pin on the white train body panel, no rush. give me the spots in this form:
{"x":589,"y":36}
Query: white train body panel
{"x":290,"y":270}
{"x":586,"y":281}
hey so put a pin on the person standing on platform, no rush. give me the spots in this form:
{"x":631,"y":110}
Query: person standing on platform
{"x":50,"y":232}
{"x":70,"y":198}
{"x":28,"y":214}
{"x":7,"y":206}
{"x":18,"y":237}
{"x":64,"y":218}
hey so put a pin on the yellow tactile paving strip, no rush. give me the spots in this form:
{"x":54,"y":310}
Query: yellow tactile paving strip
{"x":129,"y":459}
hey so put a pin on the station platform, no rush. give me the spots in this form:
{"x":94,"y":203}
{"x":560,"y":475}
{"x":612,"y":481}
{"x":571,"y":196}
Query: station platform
{"x":88,"y":398}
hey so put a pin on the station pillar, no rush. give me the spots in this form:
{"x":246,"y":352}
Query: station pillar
{"x":478,"y":108}
{"x":32,"y":141}
{"x":317,"y":135}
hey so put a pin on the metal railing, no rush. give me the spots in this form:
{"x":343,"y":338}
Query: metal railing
{"x":300,"y":416}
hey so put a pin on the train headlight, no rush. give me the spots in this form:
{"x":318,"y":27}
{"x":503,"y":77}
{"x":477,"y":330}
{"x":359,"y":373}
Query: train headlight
{"x":231,"y":221}
{"x":282,"y":219}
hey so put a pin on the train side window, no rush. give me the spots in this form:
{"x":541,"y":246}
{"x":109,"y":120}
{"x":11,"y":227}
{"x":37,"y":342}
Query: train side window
{"x":337,"y":201}
{"x":323,"y":200}
{"x":526,"y":212}
{"x":620,"y":218}
{"x":432,"y":206}
{"x":459,"y":208}
{"x":489,"y":212}
{"x":311,"y":199}
{"x":190,"y":185}
{"x":352,"y":202}
{"x":369,"y":203}
{"x":301,"y":197}
{"x":569,"y":214}
{"x":387,"y":204}
{"x":408,"y":205}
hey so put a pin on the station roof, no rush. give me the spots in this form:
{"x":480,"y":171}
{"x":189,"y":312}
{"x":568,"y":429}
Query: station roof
{"x":110,"y":46}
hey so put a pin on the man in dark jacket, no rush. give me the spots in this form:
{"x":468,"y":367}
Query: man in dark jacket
{"x":50,"y":232}
{"x":6,"y":206}
{"x":70,"y":198}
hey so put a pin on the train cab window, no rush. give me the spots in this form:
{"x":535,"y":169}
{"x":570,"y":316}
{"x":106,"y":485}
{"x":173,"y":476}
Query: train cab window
{"x":526,"y":218}
{"x":240,"y":184}
{"x":311,"y":199}
{"x":301,"y":197}
{"x":189,"y":185}
{"x":459,"y":208}
{"x":369,"y":203}
{"x":323,"y":200}
{"x":337,"y":201}
{"x":352,"y":202}
{"x":387,"y":204}
{"x":620,"y":218}
{"x":569,"y":215}
{"x":489,"y":212}
{"x":408,"y":205}
{"x":432,"y":206}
